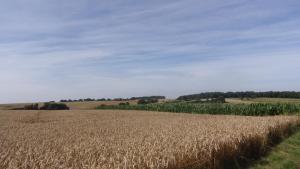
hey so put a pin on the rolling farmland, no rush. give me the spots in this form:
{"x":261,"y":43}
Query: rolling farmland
{"x":93,"y":104}
{"x":134,"y":139}
{"x":129,"y":84}
{"x":73,"y":105}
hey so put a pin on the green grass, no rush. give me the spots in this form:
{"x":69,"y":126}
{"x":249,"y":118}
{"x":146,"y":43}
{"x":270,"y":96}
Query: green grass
{"x":285,"y":156}
{"x":257,"y":109}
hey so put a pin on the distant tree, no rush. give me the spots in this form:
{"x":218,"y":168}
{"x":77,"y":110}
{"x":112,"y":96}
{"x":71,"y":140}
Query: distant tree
{"x":147,"y":101}
{"x":54,"y":106}
{"x":89,"y":99}
{"x":147,"y":97}
{"x":31,"y":107}
{"x":142,"y":101}
{"x":124,"y":104}
{"x":220,"y":99}
{"x":242,"y":95}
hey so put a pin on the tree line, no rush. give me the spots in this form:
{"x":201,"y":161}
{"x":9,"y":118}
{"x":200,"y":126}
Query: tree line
{"x":115,"y":99}
{"x":242,"y":95}
{"x":46,"y":106}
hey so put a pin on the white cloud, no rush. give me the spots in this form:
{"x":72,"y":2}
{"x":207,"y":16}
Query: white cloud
{"x":61,"y":49}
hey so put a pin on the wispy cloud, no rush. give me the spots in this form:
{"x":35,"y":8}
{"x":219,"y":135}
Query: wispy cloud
{"x":65,"y":49}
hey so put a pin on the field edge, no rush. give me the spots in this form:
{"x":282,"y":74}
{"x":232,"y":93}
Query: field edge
{"x":284,"y":155}
{"x":244,"y":152}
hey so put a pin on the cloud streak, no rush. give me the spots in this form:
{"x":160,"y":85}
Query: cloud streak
{"x":63,"y":49}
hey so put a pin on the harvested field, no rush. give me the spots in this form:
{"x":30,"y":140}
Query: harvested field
{"x":73,"y":105}
{"x":133,"y":139}
{"x":262,"y":100}
{"x":13,"y":106}
{"x":93,"y":104}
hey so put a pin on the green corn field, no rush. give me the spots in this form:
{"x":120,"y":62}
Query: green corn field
{"x":255,"y":109}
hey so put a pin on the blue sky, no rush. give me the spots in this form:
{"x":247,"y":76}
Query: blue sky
{"x":60,"y":49}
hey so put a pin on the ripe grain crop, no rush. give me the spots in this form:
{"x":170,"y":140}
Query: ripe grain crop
{"x":134,"y":139}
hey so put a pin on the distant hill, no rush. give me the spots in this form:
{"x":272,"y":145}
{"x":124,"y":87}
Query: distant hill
{"x":148,"y":97}
{"x":246,"y":94}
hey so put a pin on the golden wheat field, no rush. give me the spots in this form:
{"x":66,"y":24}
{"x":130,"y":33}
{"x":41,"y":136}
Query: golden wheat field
{"x":130,"y":139}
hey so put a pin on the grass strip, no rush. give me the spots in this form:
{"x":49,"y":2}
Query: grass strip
{"x":284,"y":156}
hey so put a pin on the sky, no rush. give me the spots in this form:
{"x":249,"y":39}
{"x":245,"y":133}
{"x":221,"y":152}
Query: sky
{"x":61,"y":49}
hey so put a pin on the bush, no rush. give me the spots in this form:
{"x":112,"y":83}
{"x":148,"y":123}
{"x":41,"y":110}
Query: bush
{"x":220,"y":99}
{"x":124,"y":104}
{"x":55,"y":106}
{"x":31,"y":107}
{"x":142,"y":101}
{"x":88,"y":100}
{"x":147,"y":101}
{"x":147,"y":97}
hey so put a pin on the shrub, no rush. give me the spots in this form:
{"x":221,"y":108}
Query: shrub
{"x":55,"y":106}
{"x":88,"y":100}
{"x":31,"y":107}
{"x":147,"y":101}
{"x":142,"y":101}
{"x":124,"y":104}
{"x":219,"y":99}
{"x":147,"y":97}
